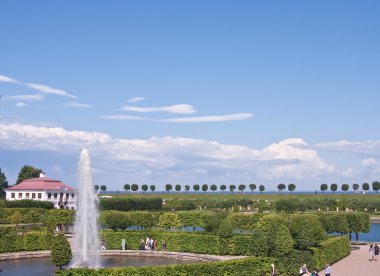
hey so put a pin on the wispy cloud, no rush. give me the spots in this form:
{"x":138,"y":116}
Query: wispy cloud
{"x":177,"y":109}
{"x":125,"y":118}
{"x":136,"y":99}
{"x":79,"y":105}
{"x":21,"y":105}
{"x":25,"y":97}
{"x":7,"y":79}
{"x":209,"y":119}
{"x":49,"y":90}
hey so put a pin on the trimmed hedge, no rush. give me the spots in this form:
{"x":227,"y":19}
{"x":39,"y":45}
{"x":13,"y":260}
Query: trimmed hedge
{"x":130,"y":204}
{"x":29,"y":203}
{"x":244,"y":267}
{"x":330,"y":251}
{"x":12,"y":241}
{"x":28,"y":215}
{"x":182,"y":242}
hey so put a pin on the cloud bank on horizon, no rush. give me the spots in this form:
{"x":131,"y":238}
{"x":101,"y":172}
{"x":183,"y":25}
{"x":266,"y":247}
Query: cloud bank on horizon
{"x":185,"y":160}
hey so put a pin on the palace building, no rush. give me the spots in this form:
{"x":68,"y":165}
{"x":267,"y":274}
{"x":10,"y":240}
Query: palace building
{"x":44,"y":189}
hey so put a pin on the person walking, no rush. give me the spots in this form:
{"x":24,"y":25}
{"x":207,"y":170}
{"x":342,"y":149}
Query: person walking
{"x":303,"y":270}
{"x":273,"y":271}
{"x":328,"y":270}
{"x":376,"y":248}
{"x":315,"y":272}
{"x":371,"y":252}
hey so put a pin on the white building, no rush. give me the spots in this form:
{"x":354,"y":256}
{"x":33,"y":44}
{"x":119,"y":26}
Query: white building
{"x":44,"y":189}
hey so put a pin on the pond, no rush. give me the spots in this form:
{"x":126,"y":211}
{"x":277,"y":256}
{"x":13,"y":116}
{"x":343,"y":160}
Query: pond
{"x":372,"y":236}
{"x":43,"y":266}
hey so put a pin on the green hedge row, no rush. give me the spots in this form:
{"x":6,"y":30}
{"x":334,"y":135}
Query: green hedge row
{"x":12,"y":241}
{"x":28,"y":215}
{"x":331,"y":251}
{"x":131,"y":204}
{"x":244,"y":267}
{"x":182,"y":242}
{"x":28,"y":203}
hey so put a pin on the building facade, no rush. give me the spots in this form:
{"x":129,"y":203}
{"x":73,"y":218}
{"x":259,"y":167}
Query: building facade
{"x":44,"y":189}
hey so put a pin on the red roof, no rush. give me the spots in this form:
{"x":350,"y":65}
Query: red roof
{"x":40,"y":183}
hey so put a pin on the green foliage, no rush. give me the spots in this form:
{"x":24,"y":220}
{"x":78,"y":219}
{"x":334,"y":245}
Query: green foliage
{"x":241,"y":188}
{"x":287,"y":205}
{"x":252,"y":187}
{"x":103,"y":188}
{"x":261,"y":188}
{"x":131,"y":204}
{"x":330,"y":251}
{"x":283,"y":242}
{"x":56,"y":217}
{"x":179,"y":205}
{"x":375,"y":186}
{"x":127,"y":187}
{"x":96,"y":187}
{"x":178,"y":188}
{"x":306,"y":230}
{"x":243,"y":267}
{"x":291,"y":188}
{"x":291,"y":262}
{"x":281,"y":187}
{"x":28,"y":172}
{"x":355,"y":186}
{"x":204,"y":187}
{"x":60,"y":251}
{"x":333,"y":187}
{"x":115,"y":219}
{"x":169,"y":220}
{"x":196,"y":187}
{"x":28,"y":215}
{"x":232,"y":188}
{"x":15,"y":241}
{"x":213,"y":187}
{"x":358,"y":222}
{"x":212,"y":222}
{"x":134,"y":187}
{"x":223,"y":188}
{"x":3,"y":183}
{"x":143,"y":219}
{"x":345,"y":187}
{"x":168,"y":187}
{"x":269,"y":224}
{"x":226,"y":229}
{"x":244,"y":221}
{"x":365,"y":186}
{"x":152,"y":188}
{"x":187,"y":188}
{"x":144,"y":188}
{"x":16,"y":217}
{"x":259,"y":243}
{"x":29,"y":203}
{"x":334,"y":222}
{"x":324,"y":187}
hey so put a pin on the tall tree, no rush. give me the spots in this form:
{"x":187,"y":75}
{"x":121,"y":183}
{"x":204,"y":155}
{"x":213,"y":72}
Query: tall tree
{"x":96,"y":187}
{"x":334,"y":187}
{"x":152,"y":188}
{"x":324,"y":187}
{"x":168,"y":187}
{"x":345,"y":187}
{"x":127,"y":187}
{"x":355,"y":187}
{"x":252,"y":187}
{"x":187,"y":188}
{"x":178,"y":188}
{"x":134,"y":188}
{"x":28,"y":172}
{"x":232,"y":188}
{"x":196,"y":187}
{"x":213,"y":187}
{"x":281,"y":187}
{"x":291,"y":188}
{"x":376,"y":186}
{"x":223,"y":187}
{"x":103,"y":188}
{"x":60,"y":251}
{"x":365,"y":187}
{"x":261,"y":189}
{"x":204,"y":187}
{"x":144,"y":188}
{"x":241,"y":188}
{"x":3,"y":183}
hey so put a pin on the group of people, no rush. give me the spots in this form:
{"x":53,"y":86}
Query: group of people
{"x":373,"y":252}
{"x":303,"y":271}
{"x":150,"y":244}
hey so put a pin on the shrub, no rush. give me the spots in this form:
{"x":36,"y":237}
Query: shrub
{"x":226,"y":229}
{"x":14,"y":241}
{"x":28,"y":215}
{"x":334,"y":222}
{"x":306,"y":230}
{"x":283,"y":242}
{"x":169,"y":220}
{"x":29,"y":203}
{"x":131,"y":204}
{"x":60,"y":251}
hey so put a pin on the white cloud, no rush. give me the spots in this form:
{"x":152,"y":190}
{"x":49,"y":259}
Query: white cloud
{"x":136,"y":99}
{"x":369,"y":161}
{"x":124,"y":118}
{"x":370,"y":147}
{"x":187,"y":159}
{"x":7,"y":79}
{"x":208,"y":119}
{"x":21,"y":105}
{"x":177,"y":109}
{"x":49,"y":90}
{"x":79,"y":105}
{"x":25,"y":97}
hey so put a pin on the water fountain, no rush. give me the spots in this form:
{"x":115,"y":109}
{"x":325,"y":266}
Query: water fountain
{"x":86,"y":241}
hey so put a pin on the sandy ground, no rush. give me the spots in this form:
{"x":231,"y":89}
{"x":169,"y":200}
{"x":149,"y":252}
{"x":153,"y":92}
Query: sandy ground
{"x":357,"y":264}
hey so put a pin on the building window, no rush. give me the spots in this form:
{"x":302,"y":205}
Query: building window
{"x":67,"y":196}
{"x":39,"y":195}
{"x":49,"y":195}
{"x":19,"y":195}
{"x":27,"y":195}
{"x":13,"y":195}
{"x":72,"y":195}
{"x":55,"y":195}
{"x":33,"y":195}
{"x":61,"y":195}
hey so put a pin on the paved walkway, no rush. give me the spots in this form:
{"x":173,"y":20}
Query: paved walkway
{"x":356,"y":264}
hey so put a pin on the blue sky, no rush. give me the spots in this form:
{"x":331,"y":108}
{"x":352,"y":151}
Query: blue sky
{"x":192,"y":91}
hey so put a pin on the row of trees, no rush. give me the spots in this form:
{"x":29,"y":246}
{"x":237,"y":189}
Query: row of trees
{"x":355,"y":187}
{"x":205,"y":187}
